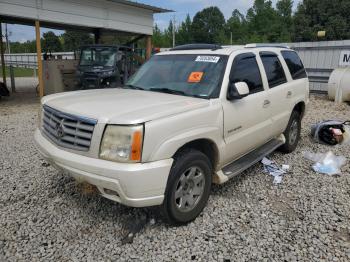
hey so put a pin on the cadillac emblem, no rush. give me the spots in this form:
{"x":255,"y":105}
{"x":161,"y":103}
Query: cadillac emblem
{"x":59,"y":129}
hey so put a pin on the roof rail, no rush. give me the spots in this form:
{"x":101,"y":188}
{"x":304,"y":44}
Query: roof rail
{"x":266,"y":45}
{"x":196,"y":47}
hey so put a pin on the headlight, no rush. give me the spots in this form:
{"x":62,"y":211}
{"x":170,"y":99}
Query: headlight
{"x":122,"y":143}
{"x":107,"y":73}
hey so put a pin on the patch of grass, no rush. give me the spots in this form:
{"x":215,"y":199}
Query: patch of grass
{"x":18,"y":71}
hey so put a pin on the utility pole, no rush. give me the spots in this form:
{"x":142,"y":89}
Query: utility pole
{"x":174,"y":28}
{"x":12,"y":75}
{"x":7,"y":40}
{"x":231,"y":38}
{"x":2,"y":58}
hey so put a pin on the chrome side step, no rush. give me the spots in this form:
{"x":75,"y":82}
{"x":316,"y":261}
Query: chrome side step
{"x":251,"y":158}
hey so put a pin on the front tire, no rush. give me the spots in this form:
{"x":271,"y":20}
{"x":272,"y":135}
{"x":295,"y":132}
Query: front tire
{"x":188,"y":187}
{"x":292,"y":133}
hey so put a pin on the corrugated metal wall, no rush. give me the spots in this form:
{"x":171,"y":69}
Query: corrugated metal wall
{"x":320,"y":59}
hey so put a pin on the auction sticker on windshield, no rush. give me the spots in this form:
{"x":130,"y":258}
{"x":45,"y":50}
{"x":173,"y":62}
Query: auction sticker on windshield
{"x":208,"y":59}
{"x":195,"y":77}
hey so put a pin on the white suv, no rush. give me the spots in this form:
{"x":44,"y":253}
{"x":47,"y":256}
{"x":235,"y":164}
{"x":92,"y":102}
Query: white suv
{"x":190,"y":117}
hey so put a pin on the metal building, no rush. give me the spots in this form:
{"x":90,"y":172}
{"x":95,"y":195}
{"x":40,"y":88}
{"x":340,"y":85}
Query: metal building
{"x":320,"y":59}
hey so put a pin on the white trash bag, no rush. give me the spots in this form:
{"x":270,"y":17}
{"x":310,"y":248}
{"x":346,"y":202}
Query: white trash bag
{"x":326,"y":163}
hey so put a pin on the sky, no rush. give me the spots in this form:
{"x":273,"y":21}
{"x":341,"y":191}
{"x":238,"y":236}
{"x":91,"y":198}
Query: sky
{"x":181,"y":7}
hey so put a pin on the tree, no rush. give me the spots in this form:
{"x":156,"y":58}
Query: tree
{"x":263,"y":22}
{"x":284,"y":11}
{"x":157,"y":38}
{"x":315,"y":15}
{"x":73,"y":40}
{"x":51,"y":42}
{"x":184,"y":34}
{"x":237,"y":25}
{"x":26,"y":47}
{"x":168,"y":34}
{"x":208,"y":26}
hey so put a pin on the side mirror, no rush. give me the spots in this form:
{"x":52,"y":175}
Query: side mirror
{"x":237,"y":90}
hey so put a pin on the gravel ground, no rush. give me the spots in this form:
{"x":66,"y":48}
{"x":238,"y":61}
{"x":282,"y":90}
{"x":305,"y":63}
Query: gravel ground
{"x":45,"y":216}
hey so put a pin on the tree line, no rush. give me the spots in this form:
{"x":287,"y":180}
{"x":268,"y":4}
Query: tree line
{"x":262,"y":23}
{"x":50,"y":42}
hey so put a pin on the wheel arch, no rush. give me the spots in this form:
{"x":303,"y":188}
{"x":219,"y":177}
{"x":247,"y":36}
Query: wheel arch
{"x":300,"y":108}
{"x":204,"y":145}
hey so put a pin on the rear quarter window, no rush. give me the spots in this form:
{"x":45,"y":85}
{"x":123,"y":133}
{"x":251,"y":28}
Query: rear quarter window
{"x":294,"y":64}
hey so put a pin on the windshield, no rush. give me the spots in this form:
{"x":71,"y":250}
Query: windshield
{"x":96,"y":56}
{"x":190,"y":75}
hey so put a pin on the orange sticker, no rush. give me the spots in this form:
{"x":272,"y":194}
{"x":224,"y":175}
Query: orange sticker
{"x":195,"y":77}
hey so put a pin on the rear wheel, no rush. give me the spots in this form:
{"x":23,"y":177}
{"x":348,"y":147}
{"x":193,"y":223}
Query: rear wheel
{"x":292,"y":133}
{"x":188,"y":187}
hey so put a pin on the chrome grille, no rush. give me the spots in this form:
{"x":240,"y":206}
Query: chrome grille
{"x":67,"y":130}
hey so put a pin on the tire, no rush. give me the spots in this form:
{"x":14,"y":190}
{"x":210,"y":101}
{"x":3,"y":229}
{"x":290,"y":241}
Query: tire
{"x":292,"y":133}
{"x":188,"y":187}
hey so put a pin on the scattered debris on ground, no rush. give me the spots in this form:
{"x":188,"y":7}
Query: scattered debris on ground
{"x":326,"y":163}
{"x":274,"y":170}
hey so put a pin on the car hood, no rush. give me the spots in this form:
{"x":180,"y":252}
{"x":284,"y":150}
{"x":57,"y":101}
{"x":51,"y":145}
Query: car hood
{"x":122,"y":106}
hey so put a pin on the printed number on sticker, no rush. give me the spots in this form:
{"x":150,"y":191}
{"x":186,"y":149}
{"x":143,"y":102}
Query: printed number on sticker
{"x":208,"y":59}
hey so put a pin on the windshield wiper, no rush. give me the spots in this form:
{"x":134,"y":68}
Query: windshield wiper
{"x":169,"y":91}
{"x":133,"y":87}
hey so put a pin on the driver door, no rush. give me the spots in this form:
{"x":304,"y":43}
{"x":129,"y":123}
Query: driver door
{"x":246,"y":121}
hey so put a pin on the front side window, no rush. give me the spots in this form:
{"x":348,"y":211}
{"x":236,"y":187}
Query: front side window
{"x":245,"y":69}
{"x":273,"y":68}
{"x":294,"y":64}
{"x":189,"y":75}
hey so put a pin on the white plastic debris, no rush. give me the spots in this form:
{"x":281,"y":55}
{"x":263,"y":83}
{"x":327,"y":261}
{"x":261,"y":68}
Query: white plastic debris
{"x":274,"y":170}
{"x":152,"y":221}
{"x":326,"y":163}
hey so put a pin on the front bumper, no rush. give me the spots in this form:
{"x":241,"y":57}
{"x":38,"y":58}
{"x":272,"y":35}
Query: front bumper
{"x":136,"y":185}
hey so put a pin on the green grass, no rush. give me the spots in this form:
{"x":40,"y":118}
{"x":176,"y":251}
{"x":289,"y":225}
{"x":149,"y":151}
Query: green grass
{"x":18,"y":71}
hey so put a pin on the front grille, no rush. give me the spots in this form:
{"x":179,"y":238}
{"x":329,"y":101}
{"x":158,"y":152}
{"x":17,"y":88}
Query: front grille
{"x":90,"y":80}
{"x":67,"y":130}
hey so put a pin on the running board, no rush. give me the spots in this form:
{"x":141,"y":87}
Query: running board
{"x":251,"y":158}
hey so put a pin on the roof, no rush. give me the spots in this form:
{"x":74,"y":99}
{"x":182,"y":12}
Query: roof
{"x":154,"y":9}
{"x":222,"y":51}
{"x":226,"y":50}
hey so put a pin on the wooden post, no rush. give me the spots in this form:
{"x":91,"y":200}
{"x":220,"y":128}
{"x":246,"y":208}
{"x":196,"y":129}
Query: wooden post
{"x":2,"y":51}
{"x":148,"y":47}
{"x":40,"y":62}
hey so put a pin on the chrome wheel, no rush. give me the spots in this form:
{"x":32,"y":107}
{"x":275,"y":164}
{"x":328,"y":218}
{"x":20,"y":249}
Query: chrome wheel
{"x":189,"y":189}
{"x":294,"y":130}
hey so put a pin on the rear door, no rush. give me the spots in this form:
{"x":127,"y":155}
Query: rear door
{"x":299,"y":81}
{"x":247,"y":121}
{"x":279,"y":93}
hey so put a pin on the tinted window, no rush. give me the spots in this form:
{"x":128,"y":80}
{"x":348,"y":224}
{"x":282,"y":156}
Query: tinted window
{"x":294,"y":64}
{"x":246,"y":69}
{"x":273,"y":68}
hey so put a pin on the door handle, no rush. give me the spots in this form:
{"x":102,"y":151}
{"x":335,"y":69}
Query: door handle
{"x":266,"y":103}
{"x":289,"y":94}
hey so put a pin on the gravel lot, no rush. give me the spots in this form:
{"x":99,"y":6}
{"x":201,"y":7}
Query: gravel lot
{"x":45,"y":216}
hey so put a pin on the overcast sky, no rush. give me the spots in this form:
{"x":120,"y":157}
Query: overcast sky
{"x":181,"y":8}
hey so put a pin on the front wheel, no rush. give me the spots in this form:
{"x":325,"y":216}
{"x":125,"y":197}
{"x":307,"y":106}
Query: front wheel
{"x":188,"y":187}
{"x":292,"y":133}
